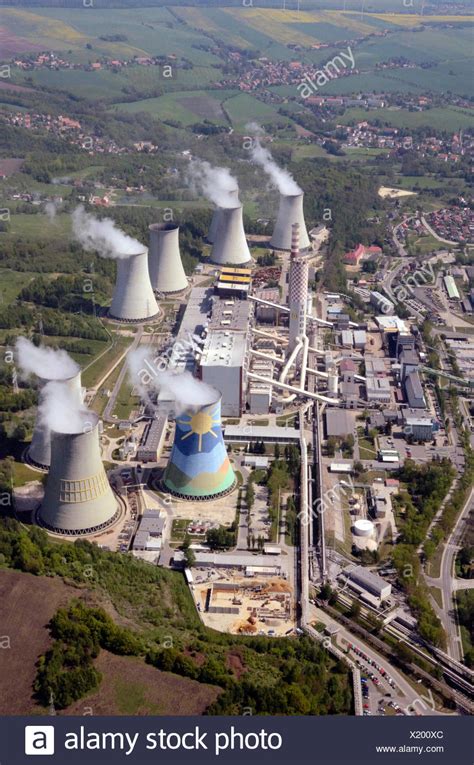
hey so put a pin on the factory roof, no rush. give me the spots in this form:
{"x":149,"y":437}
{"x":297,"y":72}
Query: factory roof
{"x":338,"y":422}
{"x":373,"y":582}
{"x":391,"y":324}
{"x":414,"y":387}
{"x":236,"y":271}
{"x":224,"y":349}
{"x":360,"y":335}
{"x":260,"y":433}
{"x":236,"y":560}
{"x":451,"y":287}
{"x":374,"y":366}
{"x":347,"y":365}
{"x":230,"y":314}
{"x":154,"y":432}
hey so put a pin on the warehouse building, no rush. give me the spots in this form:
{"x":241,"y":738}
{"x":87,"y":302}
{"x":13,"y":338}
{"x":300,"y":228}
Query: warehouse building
{"x":451,"y":288}
{"x":382,"y":303}
{"x":362,"y":580}
{"x":153,"y":439}
{"x":414,"y":391}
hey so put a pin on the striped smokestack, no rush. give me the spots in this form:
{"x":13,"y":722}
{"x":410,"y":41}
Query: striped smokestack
{"x":295,"y":240}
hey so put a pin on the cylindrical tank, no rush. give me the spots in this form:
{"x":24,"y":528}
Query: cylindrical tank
{"x":230,"y":244}
{"x":363,"y":528}
{"x":78,"y":499}
{"x":39,"y":452}
{"x":233,"y":194}
{"x":332,"y":385}
{"x":133,"y":298}
{"x":199,"y":467}
{"x":290,"y":211}
{"x":164,"y":259}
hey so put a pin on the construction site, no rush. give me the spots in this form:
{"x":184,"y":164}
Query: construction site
{"x":245,"y":606}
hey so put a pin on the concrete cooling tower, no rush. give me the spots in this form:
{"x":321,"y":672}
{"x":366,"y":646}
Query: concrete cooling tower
{"x":39,"y":452}
{"x":164,"y":259}
{"x":234,"y":194}
{"x":230,"y":245}
{"x":133,"y":298}
{"x":199,"y":468}
{"x":290,"y":211}
{"x":78,"y":499}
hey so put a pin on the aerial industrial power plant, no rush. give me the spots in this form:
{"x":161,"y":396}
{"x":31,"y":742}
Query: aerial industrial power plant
{"x":243,"y":426}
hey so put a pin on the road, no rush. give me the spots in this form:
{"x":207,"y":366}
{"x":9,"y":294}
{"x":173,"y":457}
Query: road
{"x":448,"y":583}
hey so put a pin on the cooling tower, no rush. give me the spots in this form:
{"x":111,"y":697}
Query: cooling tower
{"x":39,"y":452}
{"x":230,"y":245}
{"x":133,"y":298}
{"x":290,"y":211}
{"x":234,"y":194}
{"x":199,"y":468}
{"x":78,"y":498}
{"x":164,"y":259}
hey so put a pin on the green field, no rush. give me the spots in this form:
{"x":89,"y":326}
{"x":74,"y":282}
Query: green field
{"x":11,"y":284}
{"x":446,"y":118}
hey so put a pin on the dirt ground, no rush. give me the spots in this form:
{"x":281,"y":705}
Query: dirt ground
{"x":265,"y":606}
{"x":131,"y":687}
{"x":27,"y":603}
{"x":221,"y":510}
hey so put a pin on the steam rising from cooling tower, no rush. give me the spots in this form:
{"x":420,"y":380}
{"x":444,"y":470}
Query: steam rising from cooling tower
{"x":164,"y":259}
{"x":60,"y":394}
{"x":218,"y":185}
{"x":291,"y":200}
{"x":281,"y":178}
{"x":182,"y":388}
{"x":133,"y":298}
{"x":78,"y":499}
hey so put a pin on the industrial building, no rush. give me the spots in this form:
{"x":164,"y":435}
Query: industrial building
{"x":381,"y":303}
{"x":199,"y":468}
{"x":164,"y":259}
{"x":451,"y":288}
{"x":414,"y":391}
{"x":360,"y":339}
{"x":150,"y":531}
{"x":290,"y":211}
{"x":133,"y":299}
{"x":153,"y":439}
{"x":416,"y":427}
{"x":251,"y":564}
{"x":269,"y":435}
{"x":78,"y":499}
{"x":362,"y":580}
{"x":380,"y":500}
{"x":234,"y":315}
{"x":222,"y":365}
{"x":233,"y":283}
{"x":338,"y":422}
{"x":39,"y":452}
{"x":378,"y":390}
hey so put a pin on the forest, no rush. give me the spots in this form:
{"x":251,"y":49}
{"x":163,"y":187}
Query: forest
{"x":288,"y":676}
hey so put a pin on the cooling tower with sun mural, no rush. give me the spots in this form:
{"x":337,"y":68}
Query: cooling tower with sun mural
{"x":199,"y":467}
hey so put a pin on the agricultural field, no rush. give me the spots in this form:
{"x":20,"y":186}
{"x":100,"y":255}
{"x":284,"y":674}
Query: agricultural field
{"x":446,"y":118}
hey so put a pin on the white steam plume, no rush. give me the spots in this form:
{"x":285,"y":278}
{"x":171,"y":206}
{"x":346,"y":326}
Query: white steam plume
{"x":60,"y":409}
{"x":103,"y":235}
{"x":216,"y":183}
{"x":50,"y":209}
{"x":185,"y":390}
{"x":47,"y":363}
{"x":282,"y":179}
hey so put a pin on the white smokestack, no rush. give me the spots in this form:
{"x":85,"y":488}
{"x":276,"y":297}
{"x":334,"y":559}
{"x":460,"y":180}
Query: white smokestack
{"x":230,"y":245}
{"x":164,"y":259}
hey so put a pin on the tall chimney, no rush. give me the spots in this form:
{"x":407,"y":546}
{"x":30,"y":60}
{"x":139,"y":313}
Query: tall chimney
{"x":298,"y":289}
